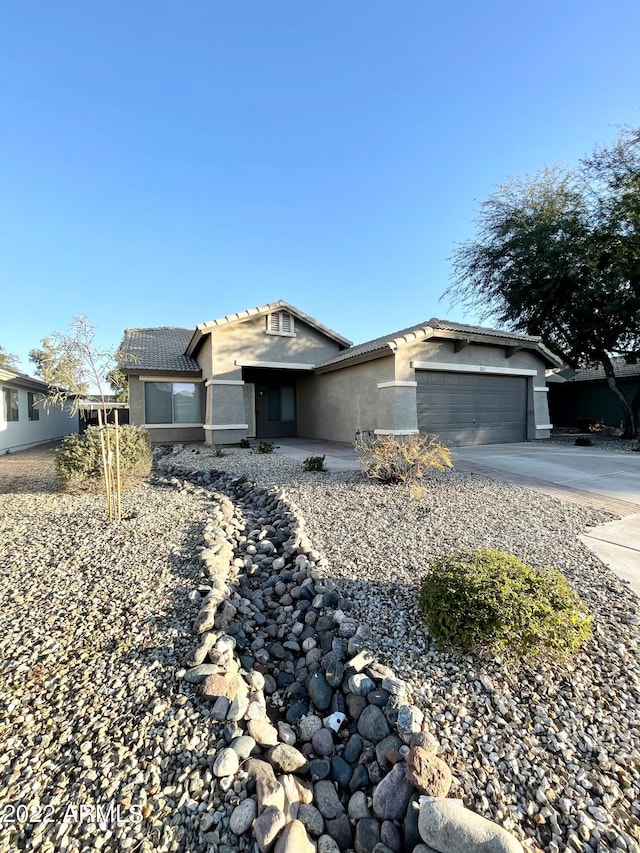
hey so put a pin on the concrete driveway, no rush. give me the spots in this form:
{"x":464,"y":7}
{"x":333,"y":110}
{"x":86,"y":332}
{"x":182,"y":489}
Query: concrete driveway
{"x":602,"y":472}
{"x":613,"y":478}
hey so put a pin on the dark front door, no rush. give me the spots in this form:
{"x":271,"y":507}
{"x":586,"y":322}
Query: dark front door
{"x":275,"y":410}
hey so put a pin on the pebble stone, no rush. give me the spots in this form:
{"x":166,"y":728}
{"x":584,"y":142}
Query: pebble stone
{"x":103,"y":701}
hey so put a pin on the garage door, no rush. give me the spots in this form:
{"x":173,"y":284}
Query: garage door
{"x":472,"y":408}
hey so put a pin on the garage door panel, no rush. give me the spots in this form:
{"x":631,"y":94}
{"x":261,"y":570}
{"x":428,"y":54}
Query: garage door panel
{"x":470,"y":408}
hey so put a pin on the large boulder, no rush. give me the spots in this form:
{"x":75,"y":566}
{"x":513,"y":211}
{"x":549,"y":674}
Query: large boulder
{"x":448,"y":825}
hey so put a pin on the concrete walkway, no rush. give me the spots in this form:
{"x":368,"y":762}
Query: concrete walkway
{"x":602,"y":479}
{"x":338,"y":456}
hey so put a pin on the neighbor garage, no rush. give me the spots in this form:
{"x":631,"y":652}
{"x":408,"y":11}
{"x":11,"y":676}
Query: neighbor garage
{"x":472,"y":408}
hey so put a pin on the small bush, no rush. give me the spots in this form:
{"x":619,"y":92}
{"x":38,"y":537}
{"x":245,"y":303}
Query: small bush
{"x":313,"y":463}
{"x":79,"y":465}
{"x":486,"y":601}
{"x":402,"y":460}
{"x":590,"y":424}
{"x":265,"y":447}
{"x":245,"y":443}
{"x":583,"y":441}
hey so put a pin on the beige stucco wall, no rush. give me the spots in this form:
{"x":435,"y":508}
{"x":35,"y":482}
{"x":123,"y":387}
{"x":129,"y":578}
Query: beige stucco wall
{"x":332,"y":406}
{"x":243,"y":342}
{"x":487,"y":356}
{"x":249,"y":341}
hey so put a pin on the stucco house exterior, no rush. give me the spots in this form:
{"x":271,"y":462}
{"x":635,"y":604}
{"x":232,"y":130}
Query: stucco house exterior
{"x":24,"y":421}
{"x":274,"y":371}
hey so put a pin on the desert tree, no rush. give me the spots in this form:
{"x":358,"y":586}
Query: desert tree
{"x":557,"y":254}
{"x":8,"y":361}
{"x":71,"y":363}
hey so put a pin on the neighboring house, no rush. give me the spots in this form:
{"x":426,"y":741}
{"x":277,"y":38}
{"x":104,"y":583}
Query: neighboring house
{"x":274,"y":371}
{"x":92,"y":404}
{"x":24,"y":421}
{"x":584,"y":393}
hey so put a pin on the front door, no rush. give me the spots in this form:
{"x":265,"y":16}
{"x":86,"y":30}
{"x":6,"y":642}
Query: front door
{"x":275,"y":410}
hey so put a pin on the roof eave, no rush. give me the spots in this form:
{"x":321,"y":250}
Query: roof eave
{"x":372,"y":355}
{"x":525,"y":342}
{"x":259,"y":311}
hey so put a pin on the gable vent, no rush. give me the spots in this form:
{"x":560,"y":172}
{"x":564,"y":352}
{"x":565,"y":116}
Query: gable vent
{"x":280,"y":323}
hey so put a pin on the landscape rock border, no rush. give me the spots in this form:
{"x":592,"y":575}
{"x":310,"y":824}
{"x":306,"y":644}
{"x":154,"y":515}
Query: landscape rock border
{"x":284,"y":665}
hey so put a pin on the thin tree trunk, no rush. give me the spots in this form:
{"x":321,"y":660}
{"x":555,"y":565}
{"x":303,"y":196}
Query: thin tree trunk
{"x":629,"y":419}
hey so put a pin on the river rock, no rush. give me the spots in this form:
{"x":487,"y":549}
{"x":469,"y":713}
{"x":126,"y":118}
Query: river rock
{"x":267,"y":826}
{"x":367,"y":835}
{"x":391,"y":796}
{"x":372,"y":724}
{"x":226,"y":763}
{"x":327,"y":800}
{"x":287,"y":758}
{"x":294,"y":839}
{"x":448,"y":825}
{"x":242,"y":816}
{"x":428,"y":773}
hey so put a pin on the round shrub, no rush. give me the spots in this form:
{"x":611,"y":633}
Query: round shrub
{"x":485,"y":601}
{"x":79,"y":465}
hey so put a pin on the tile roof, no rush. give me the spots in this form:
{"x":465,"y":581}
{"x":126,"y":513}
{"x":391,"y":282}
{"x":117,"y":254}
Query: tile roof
{"x":388,"y":342}
{"x":622,"y":369}
{"x":161,"y":348}
{"x":447,"y":326}
{"x":429,"y":329}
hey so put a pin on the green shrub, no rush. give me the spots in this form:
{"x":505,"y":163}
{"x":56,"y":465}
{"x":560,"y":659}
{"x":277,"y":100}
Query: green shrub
{"x":79,"y":465}
{"x":265,"y":447}
{"x":486,"y":601}
{"x":245,"y":443}
{"x":313,"y":463}
{"x":402,"y":460}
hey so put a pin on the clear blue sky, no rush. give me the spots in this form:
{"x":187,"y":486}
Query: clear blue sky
{"x":166,"y":162}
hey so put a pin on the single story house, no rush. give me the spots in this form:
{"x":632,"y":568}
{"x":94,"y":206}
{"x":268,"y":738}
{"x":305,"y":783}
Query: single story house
{"x":274,"y":371}
{"x":584,"y":393}
{"x":24,"y":421}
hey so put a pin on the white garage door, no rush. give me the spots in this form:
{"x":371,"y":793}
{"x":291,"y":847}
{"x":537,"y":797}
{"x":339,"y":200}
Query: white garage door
{"x":472,"y":408}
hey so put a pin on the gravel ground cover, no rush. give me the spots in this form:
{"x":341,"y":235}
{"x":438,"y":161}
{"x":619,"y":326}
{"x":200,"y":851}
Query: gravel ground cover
{"x":550,"y":745}
{"x":96,"y":621}
{"x":601,"y":442}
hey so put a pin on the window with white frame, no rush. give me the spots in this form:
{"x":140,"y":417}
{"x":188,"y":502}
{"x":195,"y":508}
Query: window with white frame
{"x":32,"y":406}
{"x":10,"y":404}
{"x":172,"y":403}
{"x":280,"y":323}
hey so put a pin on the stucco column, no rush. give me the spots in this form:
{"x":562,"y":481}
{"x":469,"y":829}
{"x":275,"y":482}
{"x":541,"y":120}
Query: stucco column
{"x":397,"y":408}
{"x":541,"y":417}
{"x":226,"y":422}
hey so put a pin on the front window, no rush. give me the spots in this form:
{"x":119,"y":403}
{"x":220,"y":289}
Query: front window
{"x":10,"y":404}
{"x":171,"y":403}
{"x":34,"y":411}
{"x":281,"y":403}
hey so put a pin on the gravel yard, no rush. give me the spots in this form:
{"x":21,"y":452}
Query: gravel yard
{"x":96,"y":621}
